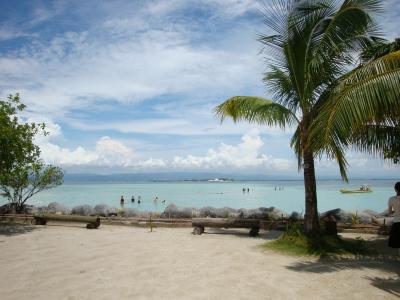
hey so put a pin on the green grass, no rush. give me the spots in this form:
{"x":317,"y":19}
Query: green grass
{"x":294,"y":242}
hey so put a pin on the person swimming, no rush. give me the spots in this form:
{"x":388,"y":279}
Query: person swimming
{"x":164,"y":201}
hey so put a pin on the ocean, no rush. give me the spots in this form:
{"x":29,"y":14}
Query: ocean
{"x":285,"y":195}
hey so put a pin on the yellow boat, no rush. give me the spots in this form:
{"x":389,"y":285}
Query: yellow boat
{"x":359,"y":191}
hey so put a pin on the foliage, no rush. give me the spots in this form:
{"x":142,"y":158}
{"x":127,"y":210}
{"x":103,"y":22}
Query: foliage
{"x":376,"y":48}
{"x":22,"y":172}
{"x":393,"y":154}
{"x":16,"y":139}
{"x":363,"y":111}
{"x":355,"y":219}
{"x":311,"y":49}
{"x":295,"y":242}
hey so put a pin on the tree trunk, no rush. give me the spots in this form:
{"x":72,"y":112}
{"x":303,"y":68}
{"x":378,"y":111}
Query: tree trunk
{"x":311,"y":215}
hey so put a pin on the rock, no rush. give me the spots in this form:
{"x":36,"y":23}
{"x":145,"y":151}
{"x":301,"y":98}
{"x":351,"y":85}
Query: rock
{"x":385,"y":213}
{"x":364,"y":218}
{"x":83,"y":210}
{"x":173,"y":211}
{"x":371,"y":213}
{"x":57,"y":208}
{"x":253,"y":213}
{"x":225,"y":212}
{"x":30,"y":209}
{"x":105,"y":210}
{"x":277,"y":214}
{"x":387,"y":221}
{"x":262,"y":213}
{"x":6,"y":208}
{"x":129,"y":212}
{"x":11,"y":208}
{"x":295,"y":216}
{"x":208,"y":211}
{"x":339,"y":214}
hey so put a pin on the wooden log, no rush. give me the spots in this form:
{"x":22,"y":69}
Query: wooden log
{"x":92,"y":222}
{"x":225,"y":223}
{"x":254,"y":231}
{"x":198,"y":230}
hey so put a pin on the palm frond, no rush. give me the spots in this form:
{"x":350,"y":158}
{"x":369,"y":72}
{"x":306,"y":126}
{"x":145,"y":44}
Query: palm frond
{"x":376,"y":48}
{"x":376,"y":139}
{"x":369,"y":95}
{"x":280,"y":85}
{"x":255,"y":110}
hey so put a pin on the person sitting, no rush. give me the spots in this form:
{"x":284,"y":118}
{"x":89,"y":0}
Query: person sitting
{"x":394,"y":209}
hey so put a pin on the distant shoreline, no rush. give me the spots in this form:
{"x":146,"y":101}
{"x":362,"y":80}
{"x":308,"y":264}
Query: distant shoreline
{"x":111,"y":181}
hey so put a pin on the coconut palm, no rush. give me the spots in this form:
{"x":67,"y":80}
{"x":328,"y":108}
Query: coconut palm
{"x":367,"y":101}
{"x":311,"y":47}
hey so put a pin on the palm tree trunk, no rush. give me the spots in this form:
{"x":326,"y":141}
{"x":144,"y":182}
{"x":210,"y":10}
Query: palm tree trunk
{"x":311,"y":216}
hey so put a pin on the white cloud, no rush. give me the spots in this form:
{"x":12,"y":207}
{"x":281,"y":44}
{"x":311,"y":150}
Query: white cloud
{"x":106,"y":153}
{"x":128,"y":60}
{"x":112,"y":153}
{"x":192,"y":125}
{"x":247,"y":154}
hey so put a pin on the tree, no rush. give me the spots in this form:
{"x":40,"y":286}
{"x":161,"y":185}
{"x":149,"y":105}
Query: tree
{"x":22,"y":172}
{"x":363,"y":111}
{"x":312,"y":46}
{"x":16,"y":139}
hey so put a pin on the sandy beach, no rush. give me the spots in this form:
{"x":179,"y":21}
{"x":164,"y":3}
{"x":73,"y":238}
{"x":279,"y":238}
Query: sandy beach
{"x":116,"y":262}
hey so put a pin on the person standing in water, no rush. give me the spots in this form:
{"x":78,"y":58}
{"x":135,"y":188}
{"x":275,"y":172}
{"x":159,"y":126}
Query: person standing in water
{"x":122,"y":201}
{"x":133,"y":199}
{"x":394,"y":208}
{"x":138,"y":201}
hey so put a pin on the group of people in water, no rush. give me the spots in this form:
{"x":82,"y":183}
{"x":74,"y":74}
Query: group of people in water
{"x":364,"y":188}
{"x":244,"y":190}
{"x":139,"y":200}
{"x":279,"y":188}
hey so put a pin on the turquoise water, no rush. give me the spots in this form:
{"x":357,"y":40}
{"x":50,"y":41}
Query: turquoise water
{"x":220,"y":194}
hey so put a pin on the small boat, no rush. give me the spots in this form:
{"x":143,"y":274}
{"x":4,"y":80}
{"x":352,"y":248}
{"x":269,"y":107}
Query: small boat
{"x":359,"y":191}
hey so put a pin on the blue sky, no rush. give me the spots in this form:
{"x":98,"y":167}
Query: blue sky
{"x":129,"y":86}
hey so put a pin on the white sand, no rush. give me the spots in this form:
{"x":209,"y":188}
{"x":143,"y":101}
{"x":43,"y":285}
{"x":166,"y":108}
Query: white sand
{"x":58,"y":262}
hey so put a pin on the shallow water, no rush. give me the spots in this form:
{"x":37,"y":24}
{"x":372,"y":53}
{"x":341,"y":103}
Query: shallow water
{"x":220,"y":194}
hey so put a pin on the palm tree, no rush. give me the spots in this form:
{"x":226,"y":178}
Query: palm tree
{"x":311,"y":47}
{"x":366,"y":100}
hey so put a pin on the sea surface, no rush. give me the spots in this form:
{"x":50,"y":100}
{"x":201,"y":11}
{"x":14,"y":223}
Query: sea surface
{"x":285,"y":195}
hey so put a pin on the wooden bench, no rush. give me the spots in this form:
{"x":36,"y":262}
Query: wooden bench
{"x":200,"y":223}
{"x":91,"y":222}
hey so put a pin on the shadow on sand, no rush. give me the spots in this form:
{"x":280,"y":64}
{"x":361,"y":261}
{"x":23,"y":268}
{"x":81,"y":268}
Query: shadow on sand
{"x":388,"y":260}
{"x":244,"y":233}
{"x":12,"y":229}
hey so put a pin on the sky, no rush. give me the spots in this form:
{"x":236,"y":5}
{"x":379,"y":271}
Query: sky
{"x":130,"y":86}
